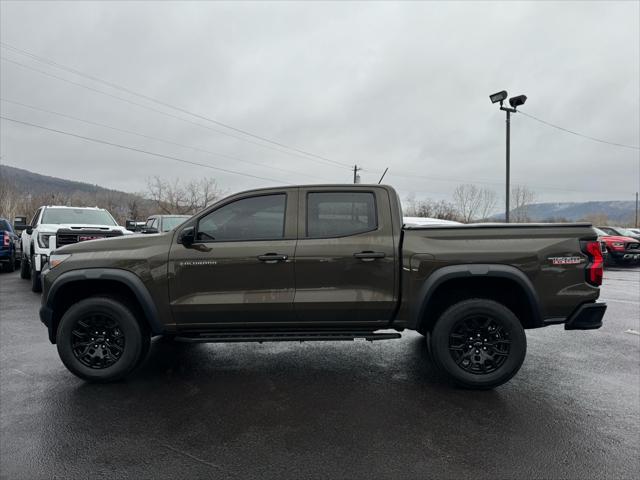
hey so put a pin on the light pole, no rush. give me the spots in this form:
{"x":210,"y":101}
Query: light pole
{"x":515,"y":102}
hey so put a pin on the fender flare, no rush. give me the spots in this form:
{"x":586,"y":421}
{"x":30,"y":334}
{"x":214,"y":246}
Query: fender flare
{"x":444,"y":274}
{"x":131,"y":280}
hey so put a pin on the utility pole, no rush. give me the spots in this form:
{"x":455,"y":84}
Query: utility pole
{"x":356,"y":177}
{"x":636,"y":209}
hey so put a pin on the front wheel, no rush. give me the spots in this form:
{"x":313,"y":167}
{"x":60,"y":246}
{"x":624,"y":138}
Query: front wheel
{"x":36,"y":284}
{"x":478,"y":343}
{"x":100,"y":340}
{"x":25,"y":272}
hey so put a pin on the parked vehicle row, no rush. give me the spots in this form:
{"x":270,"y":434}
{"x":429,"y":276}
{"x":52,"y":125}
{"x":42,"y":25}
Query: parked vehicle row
{"x":333,"y":262}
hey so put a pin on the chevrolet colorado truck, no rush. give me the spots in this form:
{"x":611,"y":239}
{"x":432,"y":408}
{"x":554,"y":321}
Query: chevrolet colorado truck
{"x":55,"y":226}
{"x":322,"y":262}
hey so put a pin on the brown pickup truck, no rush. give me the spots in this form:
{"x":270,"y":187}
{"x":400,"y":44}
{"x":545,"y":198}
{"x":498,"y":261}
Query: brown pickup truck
{"x":322,"y":262}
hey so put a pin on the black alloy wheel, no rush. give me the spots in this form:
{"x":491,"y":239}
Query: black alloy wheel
{"x":98,"y":341}
{"x":479,"y":345}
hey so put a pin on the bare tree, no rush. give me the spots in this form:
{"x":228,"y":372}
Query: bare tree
{"x":521,"y":197}
{"x":180,"y":198}
{"x":473,"y":202}
{"x":429,"y":208}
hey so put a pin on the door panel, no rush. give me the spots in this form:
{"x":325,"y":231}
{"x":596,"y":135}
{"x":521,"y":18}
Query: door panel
{"x":238,"y":272}
{"x":342,"y":277}
{"x":225,"y":283}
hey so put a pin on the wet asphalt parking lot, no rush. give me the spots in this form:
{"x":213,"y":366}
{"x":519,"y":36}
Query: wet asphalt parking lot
{"x":323,"y":410}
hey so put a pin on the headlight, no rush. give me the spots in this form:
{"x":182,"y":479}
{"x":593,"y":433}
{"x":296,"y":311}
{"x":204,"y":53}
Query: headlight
{"x":56,"y":259}
{"x":43,"y":239}
{"x":618,"y":244}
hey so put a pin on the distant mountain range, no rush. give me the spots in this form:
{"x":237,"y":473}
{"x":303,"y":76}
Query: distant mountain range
{"x":616,"y":211}
{"x":36,"y":184}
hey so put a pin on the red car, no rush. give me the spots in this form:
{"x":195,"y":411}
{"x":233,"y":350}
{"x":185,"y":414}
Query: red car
{"x":620,"y":250}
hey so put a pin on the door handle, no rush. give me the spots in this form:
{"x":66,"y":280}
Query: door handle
{"x":368,"y":256}
{"x":272,"y":258}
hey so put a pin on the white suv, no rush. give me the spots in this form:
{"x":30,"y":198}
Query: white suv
{"x":54,"y":226}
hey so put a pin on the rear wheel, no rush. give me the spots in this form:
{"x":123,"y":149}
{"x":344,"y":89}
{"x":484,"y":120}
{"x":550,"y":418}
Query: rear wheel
{"x":25,"y":273}
{"x":100,"y":340}
{"x":11,"y":266}
{"x":478,"y":343}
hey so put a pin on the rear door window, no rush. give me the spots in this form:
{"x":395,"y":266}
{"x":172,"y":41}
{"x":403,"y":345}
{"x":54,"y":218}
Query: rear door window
{"x":338,"y":214}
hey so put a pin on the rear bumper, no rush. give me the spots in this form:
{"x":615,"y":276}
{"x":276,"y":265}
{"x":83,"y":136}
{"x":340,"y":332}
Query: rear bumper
{"x":586,"y":317}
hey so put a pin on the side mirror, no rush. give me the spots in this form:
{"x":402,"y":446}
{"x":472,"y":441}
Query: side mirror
{"x":130,"y":225}
{"x":149,"y":230}
{"x":29,"y":229}
{"x":187,"y":236}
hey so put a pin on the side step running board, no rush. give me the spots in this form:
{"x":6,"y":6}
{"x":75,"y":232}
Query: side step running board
{"x":284,"y":337}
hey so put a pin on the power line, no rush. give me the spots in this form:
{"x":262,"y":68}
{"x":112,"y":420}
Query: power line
{"x":165,"y":104}
{"x":169,"y":157}
{"x":197,"y":149}
{"x":167,"y":114}
{"x":576,"y":133}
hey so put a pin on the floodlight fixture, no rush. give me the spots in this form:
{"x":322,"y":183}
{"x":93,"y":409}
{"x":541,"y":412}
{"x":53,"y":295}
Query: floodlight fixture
{"x":517,"y":101}
{"x":498,"y":97}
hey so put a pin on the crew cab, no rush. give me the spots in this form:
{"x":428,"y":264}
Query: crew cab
{"x":56,"y":226}
{"x":322,"y":262}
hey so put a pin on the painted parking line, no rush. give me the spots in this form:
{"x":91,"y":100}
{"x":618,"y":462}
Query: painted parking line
{"x":630,"y":302}
{"x":632,"y":332}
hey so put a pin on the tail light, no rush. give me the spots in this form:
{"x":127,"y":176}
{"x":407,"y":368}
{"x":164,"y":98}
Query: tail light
{"x":595,"y":266}
{"x":5,"y":239}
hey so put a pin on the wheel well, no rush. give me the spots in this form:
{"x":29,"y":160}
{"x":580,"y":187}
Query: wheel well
{"x":73,"y":292}
{"x":502,"y":290}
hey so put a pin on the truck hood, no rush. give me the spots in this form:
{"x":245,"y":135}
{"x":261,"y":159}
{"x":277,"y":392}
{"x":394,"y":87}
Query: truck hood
{"x":618,"y":238}
{"x":54,"y":227}
{"x":125,"y":242}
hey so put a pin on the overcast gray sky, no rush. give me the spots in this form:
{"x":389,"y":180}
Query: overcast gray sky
{"x":403,"y":85}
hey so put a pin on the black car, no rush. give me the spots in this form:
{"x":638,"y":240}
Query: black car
{"x":10,"y":252}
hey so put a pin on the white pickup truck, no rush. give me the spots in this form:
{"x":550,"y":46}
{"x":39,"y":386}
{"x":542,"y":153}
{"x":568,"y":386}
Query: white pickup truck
{"x":55,"y":226}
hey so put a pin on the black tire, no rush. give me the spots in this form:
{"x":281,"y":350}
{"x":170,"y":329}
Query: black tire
{"x":11,"y":266}
{"x":17,"y":262}
{"x":36,"y":284}
{"x":144,"y":352}
{"x":25,"y":272}
{"x":478,"y":343}
{"x":121,"y":341}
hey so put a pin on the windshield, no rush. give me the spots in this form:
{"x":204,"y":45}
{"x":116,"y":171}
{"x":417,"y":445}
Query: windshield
{"x":169,"y":223}
{"x":626,"y":232}
{"x":77,"y":216}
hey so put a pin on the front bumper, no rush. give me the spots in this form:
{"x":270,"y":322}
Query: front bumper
{"x":587,"y":317}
